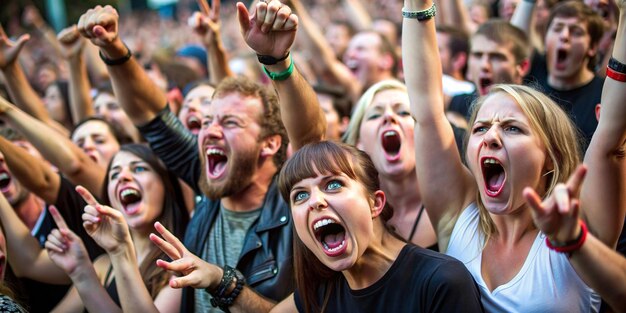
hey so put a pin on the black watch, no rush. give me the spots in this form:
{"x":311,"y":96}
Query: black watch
{"x":270,"y":60}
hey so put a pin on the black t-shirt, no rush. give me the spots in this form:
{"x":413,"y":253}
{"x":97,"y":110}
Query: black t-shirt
{"x":41,"y":297}
{"x":462,"y":104}
{"x":419,"y":280}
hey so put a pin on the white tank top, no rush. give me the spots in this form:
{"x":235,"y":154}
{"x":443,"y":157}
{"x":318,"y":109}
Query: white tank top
{"x":545,"y":283}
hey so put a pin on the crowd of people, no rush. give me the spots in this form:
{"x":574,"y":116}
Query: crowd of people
{"x":316,"y":156}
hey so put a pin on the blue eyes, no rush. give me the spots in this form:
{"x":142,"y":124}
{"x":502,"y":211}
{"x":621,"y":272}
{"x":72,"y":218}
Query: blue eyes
{"x":331,"y":186}
{"x":135,"y":169}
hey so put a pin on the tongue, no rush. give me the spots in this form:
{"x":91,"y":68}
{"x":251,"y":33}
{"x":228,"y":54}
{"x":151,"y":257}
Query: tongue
{"x":391,"y":144}
{"x":218,"y":168}
{"x":495,"y":182}
{"x":334,"y":240}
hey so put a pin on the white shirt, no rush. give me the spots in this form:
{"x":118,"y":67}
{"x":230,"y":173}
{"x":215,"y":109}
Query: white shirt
{"x":546,"y":282}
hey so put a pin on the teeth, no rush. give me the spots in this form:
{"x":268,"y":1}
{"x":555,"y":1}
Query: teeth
{"x":127,"y":192}
{"x":390,"y":133}
{"x":214,"y":152}
{"x":323,"y":222}
{"x":490,"y":161}
{"x":4,"y":175}
{"x":343,"y":242}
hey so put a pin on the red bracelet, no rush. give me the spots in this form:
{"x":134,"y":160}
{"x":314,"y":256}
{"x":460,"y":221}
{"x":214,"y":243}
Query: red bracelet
{"x":620,"y":77}
{"x":570,"y":246}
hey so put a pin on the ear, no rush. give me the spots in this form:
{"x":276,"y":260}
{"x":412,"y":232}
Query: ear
{"x":359,"y":145}
{"x":459,"y":61}
{"x":271,"y":145}
{"x":524,"y":67}
{"x":386,"y":61}
{"x":343,"y":124}
{"x":379,"y":203}
{"x":598,"y":108}
{"x":591,"y":53}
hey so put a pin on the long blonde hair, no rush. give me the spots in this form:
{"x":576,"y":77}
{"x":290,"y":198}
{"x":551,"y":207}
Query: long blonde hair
{"x":555,"y":130}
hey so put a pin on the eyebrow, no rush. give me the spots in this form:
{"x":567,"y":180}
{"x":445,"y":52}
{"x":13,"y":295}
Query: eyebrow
{"x":504,"y":121}
{"x":116,"y":167}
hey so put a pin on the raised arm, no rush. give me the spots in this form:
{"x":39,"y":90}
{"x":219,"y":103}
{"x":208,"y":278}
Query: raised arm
{"x":523,"y":16}
{"x":59,"y":150}
{"x":271,"y":31}
{"x":195,"y":272}
{"x":327,"y":61}
{"x":358,"y":15}
{"x":600,"y":267}
{"x":72,"y":47}
{"x":19,"y":88}
{"x":438,"y":162}
{"x":137,"y":94}
{"x":26,"y":257}
{"x":207,"y":24}
{"x":602,"y":198}
{"x":456,"y":12}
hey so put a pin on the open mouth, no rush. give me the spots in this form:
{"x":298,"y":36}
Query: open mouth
{"x":130,"y":199}
{"x":561,"y":57}
{"x":92,"y":155}
{"x":216,"y":162}
{"x":331,"y":235}
{"x":391,"y":142}
{"x":484,"y":85}
{"x":353,"y":65}
{"x":5,"y":181}
{"x":494,"y":176}
{"x":194,"y":124}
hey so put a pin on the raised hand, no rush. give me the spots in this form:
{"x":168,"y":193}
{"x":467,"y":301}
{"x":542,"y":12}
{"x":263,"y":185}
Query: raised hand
{"x":9,"y":49}
{"x":194,"y":271}
{"x":206,"y":23}
{"x":557,"y":216}
{"x":104,"y":224}
{"x":72,"y":43}
{"x":100,"y":25}
{"x":64,"y":247}
{"x":271,"y":30}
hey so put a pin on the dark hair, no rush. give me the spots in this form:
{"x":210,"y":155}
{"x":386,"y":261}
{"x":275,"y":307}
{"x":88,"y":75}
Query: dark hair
{"x":173,"y":216}
{"x":197,"y":83}
{"x":504,"y":33}
{"x":341,"y":102}
{"x":121,"y":137}
{"x":579,"y":10}
{"x":11,"y":134}
{"x":271,"y":123}
{"x":458,"y":41}
{"x":324,"y":157}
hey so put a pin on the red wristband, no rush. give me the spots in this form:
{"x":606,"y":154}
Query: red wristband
{"x":620,"y":77}
{"x":573,"y":245}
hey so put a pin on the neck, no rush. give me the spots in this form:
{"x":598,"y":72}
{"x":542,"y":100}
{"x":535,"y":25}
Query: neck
{"x":29,"y":210}
{"x":581,"y":78}
{"x":457,"y":75}
{"x":142,"y":243}
{"x":376,"y":260}
{"x":253,"y":195}
{"x":403,"y":194}
{"x":512,"y":228}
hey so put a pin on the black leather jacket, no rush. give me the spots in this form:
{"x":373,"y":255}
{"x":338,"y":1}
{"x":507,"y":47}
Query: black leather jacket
{"x":266,"y":259}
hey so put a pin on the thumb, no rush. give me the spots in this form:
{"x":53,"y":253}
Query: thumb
{"x":534,"y":201}
{"x":244,"y":17}
{"x":108,"y":211}
{"x":22,"y":41}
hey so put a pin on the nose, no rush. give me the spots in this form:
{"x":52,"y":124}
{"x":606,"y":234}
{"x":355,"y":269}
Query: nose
{"x":492,"y":139}
{"x":484,"y":61}
{"x":564,"y":34}
{"x":317,"y":200}
{"x":390,"y":116}
{"x":125,"y":174}
{"x":212,"y":130}
{"x":88,"y":144}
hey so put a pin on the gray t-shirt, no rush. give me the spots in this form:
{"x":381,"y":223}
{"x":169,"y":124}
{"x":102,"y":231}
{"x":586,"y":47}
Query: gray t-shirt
{"x":224,"y":247}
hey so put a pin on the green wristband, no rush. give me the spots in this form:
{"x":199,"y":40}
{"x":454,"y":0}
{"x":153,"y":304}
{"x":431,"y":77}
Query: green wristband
{"x":282,"y":75}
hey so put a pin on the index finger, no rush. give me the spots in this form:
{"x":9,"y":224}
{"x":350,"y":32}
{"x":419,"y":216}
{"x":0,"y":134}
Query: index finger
{"x":2,"y":33}
{"x":216,"y":9}
{"x":56,"y":216}
{"x":87,"y":196}
{"x":575,"y":181}
{"x":204,"y":7}
{"x":170,"y":238}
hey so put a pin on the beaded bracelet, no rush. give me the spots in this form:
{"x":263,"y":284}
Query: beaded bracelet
{"x":570,"y":246}
{"x":220,"y":298}
{"x":422,"y":15}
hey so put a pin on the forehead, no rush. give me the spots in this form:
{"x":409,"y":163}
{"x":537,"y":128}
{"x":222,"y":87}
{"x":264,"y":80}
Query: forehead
{"x":365,"y":39}
{"x":103,"y":98}
{"x":568,"y":21}
{"x":28,"y":147}
{"x":236,"y":104}
{"x":124,"y":158}
{"x":480,"y":43}
{"x":202,"y":91}
{"x":90,"y":128}
{"x":389,"y":97}
{"x":500,"y":106}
